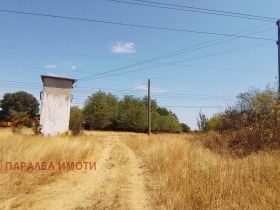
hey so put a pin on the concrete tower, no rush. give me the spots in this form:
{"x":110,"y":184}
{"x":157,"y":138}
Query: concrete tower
{"x":55,"y":105}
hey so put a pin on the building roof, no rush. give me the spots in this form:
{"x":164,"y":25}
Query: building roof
{"x":58,"y":78}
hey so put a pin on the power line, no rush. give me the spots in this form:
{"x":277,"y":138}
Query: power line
{"x":5,"y":83}
{"x":156,"y":93}
{"x":196,"y":58}
{"x":118,"y":92}
{"x":193,"y":66}
{"x":122,"y":91}
{"x":224,"y":52}
{"x":190,"y":107}
{"x":200,"y":97}
{"x":197,"y":47}
{"x":212,"y":10}
{"x":197,"y":10}
{"x":173,"y":62}
{"x":182,"y":65}
{"x":45,"y":68}
{"x":169,"y":79}
{"x":195,"y":107}
{"x":169,"y":95}
{"x":19,"y":82}
{"x":182,"y":80}
{"x":154,"y":78}
{"x":19,"y":86}
{"x":178,"y":52}
{"x":66,"y":53}
{"x":191,"y":94}
{"x":133,"y":25}
{"x":190,"y":98}
{"x":139,"y":62}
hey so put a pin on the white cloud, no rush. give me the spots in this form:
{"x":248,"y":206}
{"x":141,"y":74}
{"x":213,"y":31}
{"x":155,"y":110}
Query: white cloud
{"x":125,"y":47}
{"x":64,"y":65}
{"x":158,"y":90}
{"x":153,"y":89}
{"x":73,"y":67}
{"x":140,"y":87}
{"x":51,"y":66}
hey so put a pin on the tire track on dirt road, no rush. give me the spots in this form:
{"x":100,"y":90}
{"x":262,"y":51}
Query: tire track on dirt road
{"x":124,"y":187}
{"x":117,"y":183}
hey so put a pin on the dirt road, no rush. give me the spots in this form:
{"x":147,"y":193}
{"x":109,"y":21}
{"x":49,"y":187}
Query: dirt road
{"x":117,"y":183}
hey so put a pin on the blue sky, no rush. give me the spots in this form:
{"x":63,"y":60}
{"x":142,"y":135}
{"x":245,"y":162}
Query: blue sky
{"x":33,"y":45}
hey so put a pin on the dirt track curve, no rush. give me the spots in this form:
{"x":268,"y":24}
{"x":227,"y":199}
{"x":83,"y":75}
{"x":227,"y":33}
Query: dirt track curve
{"x":117,"y":183}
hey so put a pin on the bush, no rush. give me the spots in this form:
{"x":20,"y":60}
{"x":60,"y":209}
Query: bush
{"x":76,"y":120}
{"x":252,"y":124}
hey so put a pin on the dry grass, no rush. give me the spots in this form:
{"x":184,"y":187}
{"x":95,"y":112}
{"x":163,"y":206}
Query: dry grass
{"x":180,"y":173}
{"x":17,"y":187}
{"x":183,"y":174}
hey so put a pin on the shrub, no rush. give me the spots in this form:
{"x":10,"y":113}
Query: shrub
{"x":253,"y":122}
{"x":76,"y":120}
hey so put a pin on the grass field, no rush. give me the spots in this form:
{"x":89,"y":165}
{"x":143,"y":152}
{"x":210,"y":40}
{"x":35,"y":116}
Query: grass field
{"x":21,"y":188}
{"x":184,"y":175}
{"x":134,"y":171}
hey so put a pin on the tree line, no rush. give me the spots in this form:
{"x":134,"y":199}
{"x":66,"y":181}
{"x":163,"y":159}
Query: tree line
{"x":104,"y":111}
{"x":101,"y":111}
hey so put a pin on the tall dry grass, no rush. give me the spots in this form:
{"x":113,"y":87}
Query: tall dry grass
{"x":183,"y":174}
{"x":18,"y":186}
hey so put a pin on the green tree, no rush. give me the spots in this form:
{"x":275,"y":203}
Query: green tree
{"x":105,"y":111}
{"x":163,"y":111}
{"x":132,"y":115}
{"x":18,"y":104}
{"x":167,"y":121}
{"x":173,"y":123}
{"x":100,"y":110}
{"x":76,"y":120}
{"x":185,"y":128}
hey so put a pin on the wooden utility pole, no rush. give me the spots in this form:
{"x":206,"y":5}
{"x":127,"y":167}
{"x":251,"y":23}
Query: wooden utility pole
{"x":278,"y":43}
{"x":149,"y":109}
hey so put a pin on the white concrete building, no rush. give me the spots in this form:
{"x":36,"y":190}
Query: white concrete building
{"x":55,"y":105}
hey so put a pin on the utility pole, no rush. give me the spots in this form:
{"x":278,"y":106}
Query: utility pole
{"x":149,"y":108}
{"x":278,"y":43}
